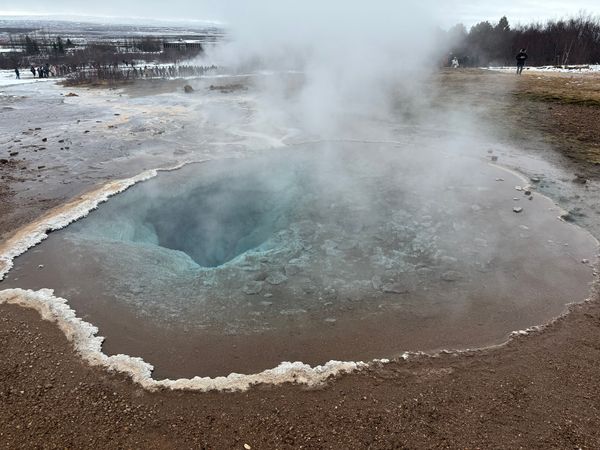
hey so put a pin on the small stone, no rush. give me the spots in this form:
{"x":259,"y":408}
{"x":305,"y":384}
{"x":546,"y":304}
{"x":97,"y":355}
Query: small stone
{"x":499,"y":179}
{"x":395,"y":288}
{"x":13,"y":153}
{"x":3,"y":161}
{"x":535,"y":179}
{"x":376,"y":282}
{"x":292,"y":312}
{"x":253,"y":287}
{"x":41,"y":266}
{"x":188,"y":89}
{"x":452,"y":275}
{"x":494,"y":158}
{"x":45,"y":140}
{"x":276,"y":278}
{"x":527,"y":193}
{"x":585,"y":261}
{"x":247,"y":447}
{"x":580,"y":179}
{"x":517,"y":209}
{"x":292,"y":269}
{"x":518,"y":188}
{"x":70,"y":94}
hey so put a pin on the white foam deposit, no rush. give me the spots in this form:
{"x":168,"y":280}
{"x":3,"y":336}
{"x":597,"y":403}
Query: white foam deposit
{"x":89,"y":346}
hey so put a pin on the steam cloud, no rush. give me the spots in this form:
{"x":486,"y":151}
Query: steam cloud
{"x":352,"y":56}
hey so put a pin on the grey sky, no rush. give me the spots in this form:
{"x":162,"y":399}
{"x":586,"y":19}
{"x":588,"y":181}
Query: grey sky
{"x":448,"y":12}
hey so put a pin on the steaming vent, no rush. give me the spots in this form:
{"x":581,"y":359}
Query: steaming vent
{"x":313,"y":254}
{"x":212,"y":224}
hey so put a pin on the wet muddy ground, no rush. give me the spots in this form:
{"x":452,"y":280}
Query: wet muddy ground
{"x":538,"y":391}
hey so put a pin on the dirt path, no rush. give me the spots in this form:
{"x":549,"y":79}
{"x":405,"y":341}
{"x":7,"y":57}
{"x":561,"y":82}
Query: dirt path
{"x":539,"y":391}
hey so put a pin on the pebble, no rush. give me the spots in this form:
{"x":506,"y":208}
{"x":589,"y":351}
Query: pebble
{"x":247,"y":447}
{"x":451,"y":275}
{"x":41,"y":266}
{"x":376,"y":282}
{"x":395,"y":288}
{"x":585,"y":261}
{"x":517,"y":209}
{"x":276,"y":278}
{"x":253,"y":287}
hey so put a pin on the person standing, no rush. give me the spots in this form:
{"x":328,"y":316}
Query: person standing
{"x":521,"y":58}
{"x":17,"y":73}
{"x":32,"y":71}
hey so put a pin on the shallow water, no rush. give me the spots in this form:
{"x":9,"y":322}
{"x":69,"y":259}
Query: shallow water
{"x":350,"y":252}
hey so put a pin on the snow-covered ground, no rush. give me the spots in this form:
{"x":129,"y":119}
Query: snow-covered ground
{"x":565,"y":69}
{"x":8,"y":78}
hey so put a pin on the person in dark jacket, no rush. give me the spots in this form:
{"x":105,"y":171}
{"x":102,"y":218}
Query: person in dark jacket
{"x":17,"y":73}
{"x":33,"y":71}
{"x":521,"y":58}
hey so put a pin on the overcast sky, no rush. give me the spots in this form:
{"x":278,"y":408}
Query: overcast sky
{"x":448,"y":12}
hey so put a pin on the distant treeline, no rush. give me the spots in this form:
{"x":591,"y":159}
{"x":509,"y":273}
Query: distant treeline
{"x":36,"y":50}
{"x":556,"y":42}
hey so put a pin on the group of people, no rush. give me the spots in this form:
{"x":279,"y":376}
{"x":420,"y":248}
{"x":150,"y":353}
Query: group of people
{"x":43,"y":71}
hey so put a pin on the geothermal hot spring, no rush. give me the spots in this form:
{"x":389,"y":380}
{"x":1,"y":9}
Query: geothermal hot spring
{"x":325,"y":252}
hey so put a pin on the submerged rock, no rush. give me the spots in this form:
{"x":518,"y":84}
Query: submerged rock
{"x":188,"y":89}
{"x":376,"y":283}
{"x":276,"y":278}
{"x":452,"y":275}
{"x":395,"y":288}
{"x":253,"y":287}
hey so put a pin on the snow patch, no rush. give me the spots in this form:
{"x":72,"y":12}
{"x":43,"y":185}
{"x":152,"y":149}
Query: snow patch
{"x":562,"y":69}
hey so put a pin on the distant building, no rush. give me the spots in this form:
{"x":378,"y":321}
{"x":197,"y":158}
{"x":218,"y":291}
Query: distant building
{"x":183,"y":45}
